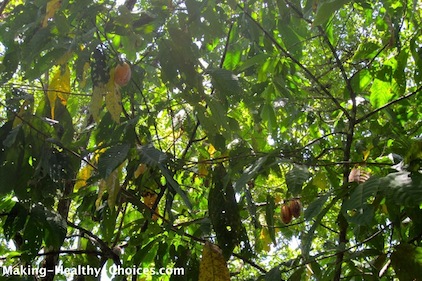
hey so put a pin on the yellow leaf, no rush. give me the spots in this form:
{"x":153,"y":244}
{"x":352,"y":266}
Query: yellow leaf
{"x":82,"y":82}
{"x":59,"y":87}
{"x":203,"y":167}
{"x":97,"y":102}
{"x":211,"y":150}
{"x":149,"y":200}
{"x":265,"y":239}
{"x":140,"y":170}
{"x":213,"y":266}
{"x":83,"y":175}
{"x":112,"y":185}
{"x":102,"y":188}
{"x":113,"y":99}
{"x":52,"y":7}
{"x":25,"y":108}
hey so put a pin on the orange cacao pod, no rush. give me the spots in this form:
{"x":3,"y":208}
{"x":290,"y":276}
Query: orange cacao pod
{"x":286,"y":215}
{"x":295,"y":207}
{"x":122,"y":74}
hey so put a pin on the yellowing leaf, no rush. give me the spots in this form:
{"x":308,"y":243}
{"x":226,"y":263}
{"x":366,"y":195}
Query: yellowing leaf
{"x":112,"y":186}
{"x":149,"y":200}
{"x":113,"y":99}
{"x":83,"y":175}
{"x":25,"y":108}
{"x":52,"y":7}
{"x":213,"y":266}
{"x":59,"y":87}
{"x":82,"y":82}
{"x":102,"y":188}
{"x":211,"y":150}
{"x":203,"y":168}
{"x":140,"y":170}
{"x":97,"y":102}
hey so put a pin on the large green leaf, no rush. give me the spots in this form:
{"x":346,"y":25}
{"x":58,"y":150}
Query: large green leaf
{"x":326,"y":9}
{"x":403,"y":188}
{"x":295,"y":179}
{"x":112,"y":158}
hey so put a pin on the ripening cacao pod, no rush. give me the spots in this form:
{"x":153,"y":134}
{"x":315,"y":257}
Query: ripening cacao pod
{"x":122,"y":74}
{"x":295,"y":207}
{"x":286,"y":215}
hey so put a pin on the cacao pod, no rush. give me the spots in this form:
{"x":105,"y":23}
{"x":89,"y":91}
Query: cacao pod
{"x":122,"y":74}
{"x":295,"y":207}
{"x":286,"y":215}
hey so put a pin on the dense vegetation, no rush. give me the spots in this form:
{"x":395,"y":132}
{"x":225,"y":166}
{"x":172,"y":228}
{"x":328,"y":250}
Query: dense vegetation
{"x":232,"y":112}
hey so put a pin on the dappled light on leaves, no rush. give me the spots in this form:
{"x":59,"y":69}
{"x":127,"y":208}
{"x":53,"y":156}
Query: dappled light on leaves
{"x":285,"y":133}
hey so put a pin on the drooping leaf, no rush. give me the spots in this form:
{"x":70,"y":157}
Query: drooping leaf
{"x":224,"y":212}
{"x":97,"y":101}
{"x":113,"y":100}
{"x":315,"y":207}
{"x":359,"y":196}
{"x":225,"y":81}
{"x":59,"y":88}
{"x":381,"y":93}
{"x":151,"y":156}
{"x":175,"y":186}
{"x":112,"y":158}
{"x":213,"y":266}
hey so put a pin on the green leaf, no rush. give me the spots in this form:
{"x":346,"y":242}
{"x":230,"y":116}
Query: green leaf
{"x":152,"y":156}
{"x":326,"y":9}
{"x":15,"y":220}
{"x":315,"y":207}
{"x":143,"y":252}
{"x":225,"y":81}
{"x":55,"y":227}
{"x":269,"y":217}
{"x":112,"y":158}
{"x":175,"y":186}
{"x":295,"y":179}
{"x":403,"y":188}
{"x":273,"y":275}
{"x":269,"y":117}
{"x":249,"y":173}
{"x":362,"y":192}
{"x":381,"y":93}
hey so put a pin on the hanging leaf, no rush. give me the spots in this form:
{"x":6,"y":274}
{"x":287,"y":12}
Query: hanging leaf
{"x":224,"y":212}
{"x":83,"y":175}
{"x":97,"y":102}
{"x":213,"y":266}
{"x":175,"y":186}
{"x":151,"y":156}
{"x":113,"y":187}
{"x":113,"y":99}
{"x":112,"y":158}
{"x":59,"y":87}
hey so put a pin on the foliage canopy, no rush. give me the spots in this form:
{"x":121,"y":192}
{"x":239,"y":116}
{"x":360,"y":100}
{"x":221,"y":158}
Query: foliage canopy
{"x":233,"y":109}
